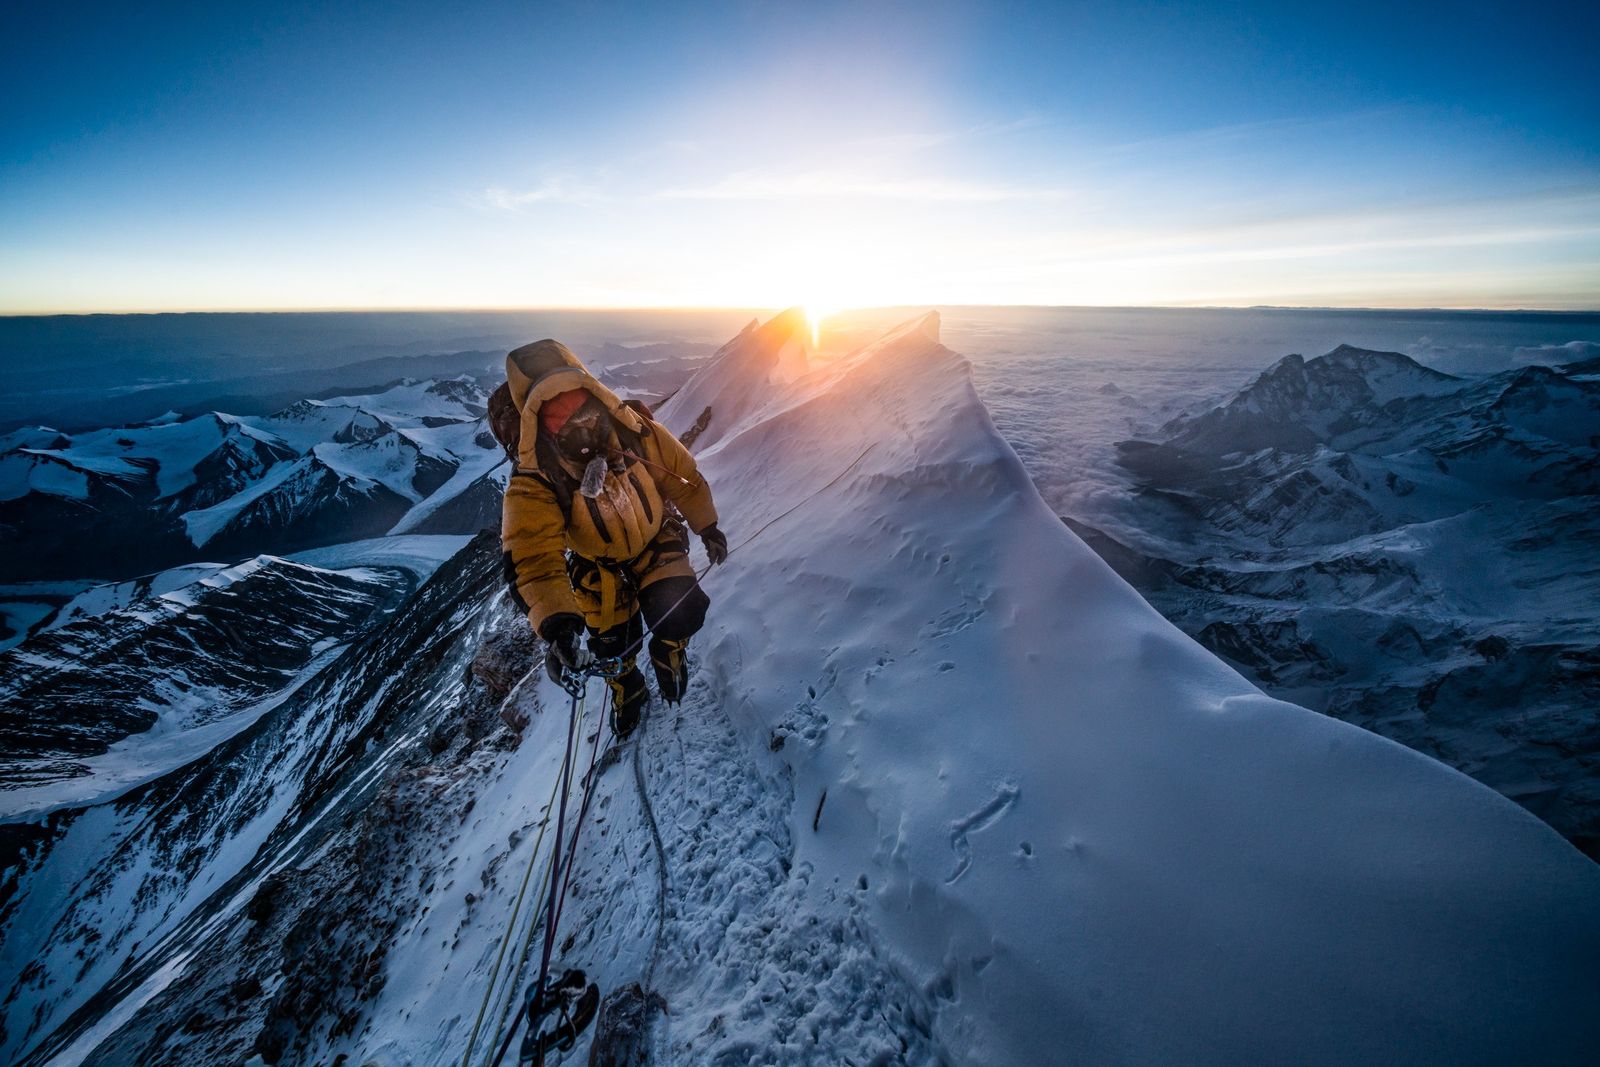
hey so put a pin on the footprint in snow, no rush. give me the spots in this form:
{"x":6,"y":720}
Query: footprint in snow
{"x":1004,"y":800}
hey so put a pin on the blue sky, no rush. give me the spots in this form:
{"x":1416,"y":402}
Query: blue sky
{"x":539,"y":155}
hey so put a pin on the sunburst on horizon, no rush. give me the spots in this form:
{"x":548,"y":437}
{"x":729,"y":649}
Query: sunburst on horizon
{"x":815,"y":314}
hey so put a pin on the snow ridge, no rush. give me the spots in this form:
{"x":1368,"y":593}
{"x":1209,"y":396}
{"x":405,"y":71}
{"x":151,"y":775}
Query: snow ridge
{"x":944,"y":789}
{"x":1146,"y":849}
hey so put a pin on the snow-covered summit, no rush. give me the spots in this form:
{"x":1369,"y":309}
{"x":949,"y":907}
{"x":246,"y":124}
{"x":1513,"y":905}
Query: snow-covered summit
{"x":1299,"y":404}
{"x":1055,"y":806}
{"x":740,"y":375}
{"x":1333,"y":448}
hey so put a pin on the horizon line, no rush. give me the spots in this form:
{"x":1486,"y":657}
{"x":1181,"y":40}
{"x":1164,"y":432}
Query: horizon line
{"x":701,"y":308}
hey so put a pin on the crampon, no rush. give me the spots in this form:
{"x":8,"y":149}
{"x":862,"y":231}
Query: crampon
{"x":574,"y":1000}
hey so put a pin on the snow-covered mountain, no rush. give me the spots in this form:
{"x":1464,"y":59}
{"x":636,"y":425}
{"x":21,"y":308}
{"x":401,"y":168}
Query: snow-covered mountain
{"x":133,"y":867}
{"x":651,"y":380}
{"x":1312,"y":453}
{"x":197,"y":654}
{"x":1298,"y":404}
{"x":1403,"y":550}
{"x":119,"y":502}
{"x":944,"y":789}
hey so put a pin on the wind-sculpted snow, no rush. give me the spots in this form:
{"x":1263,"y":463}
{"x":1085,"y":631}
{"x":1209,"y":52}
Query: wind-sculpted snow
{"x":1084,"y":836}
{"x":944,"y":789}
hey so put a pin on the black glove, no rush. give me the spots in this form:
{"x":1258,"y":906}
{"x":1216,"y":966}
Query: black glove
{"x":560,"y":633}
{"x":716,"y":543}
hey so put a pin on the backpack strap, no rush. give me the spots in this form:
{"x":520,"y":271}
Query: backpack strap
{"x":561,"y":488}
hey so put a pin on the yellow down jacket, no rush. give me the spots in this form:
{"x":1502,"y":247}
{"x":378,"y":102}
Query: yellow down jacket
{"x":545,"y":515}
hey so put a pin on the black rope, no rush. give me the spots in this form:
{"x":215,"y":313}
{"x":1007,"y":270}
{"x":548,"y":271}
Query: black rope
{"x":555,"y":872}
{"x":661,"y":863}
{"x":561,"y":868}
{"x":572,"y":849}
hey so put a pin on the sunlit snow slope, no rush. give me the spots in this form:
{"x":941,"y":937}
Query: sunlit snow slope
{"x":944,"y":790}
{"x":1084,"y":835}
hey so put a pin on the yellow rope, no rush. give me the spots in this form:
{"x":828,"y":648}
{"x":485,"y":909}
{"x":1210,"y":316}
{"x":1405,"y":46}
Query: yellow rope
{"x":509,"y":996}
{"x":509,"y":993}
{"x":527,"y":876}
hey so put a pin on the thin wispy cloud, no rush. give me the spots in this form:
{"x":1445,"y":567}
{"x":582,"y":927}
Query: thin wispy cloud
{"x":560,"y":190}
{"x":1330,"y":249}
{"x":843,"y":185}
{"x":1516,"y":217}
{"x":1240,"y":132}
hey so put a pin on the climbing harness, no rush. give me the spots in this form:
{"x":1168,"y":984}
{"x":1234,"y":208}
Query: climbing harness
{"x":633,"y":649}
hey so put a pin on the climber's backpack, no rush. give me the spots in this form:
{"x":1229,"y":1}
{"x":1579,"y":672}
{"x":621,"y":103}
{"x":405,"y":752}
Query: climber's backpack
{"x":505,"y":421}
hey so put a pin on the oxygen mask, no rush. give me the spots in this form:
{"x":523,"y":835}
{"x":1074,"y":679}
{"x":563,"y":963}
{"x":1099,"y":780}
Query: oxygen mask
{"x":586,"y":439}
{"x":585,"y":435}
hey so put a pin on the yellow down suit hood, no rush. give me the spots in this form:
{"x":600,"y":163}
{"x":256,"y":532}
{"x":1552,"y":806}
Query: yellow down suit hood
{"x":545,"y":515}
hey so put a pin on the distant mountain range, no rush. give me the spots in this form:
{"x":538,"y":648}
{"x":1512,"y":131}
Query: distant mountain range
{"x":1407,"y":550}
{"x":939,"y":773}
{"x":137,"y":504}
{"x":130,"y":500}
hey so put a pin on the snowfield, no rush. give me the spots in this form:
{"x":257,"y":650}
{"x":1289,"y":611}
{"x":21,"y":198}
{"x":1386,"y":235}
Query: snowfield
{"x":945,"y":789}
{"x":1087,"y":836}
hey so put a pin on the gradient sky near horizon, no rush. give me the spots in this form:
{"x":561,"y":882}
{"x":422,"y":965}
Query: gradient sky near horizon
{"x":360,"y":155}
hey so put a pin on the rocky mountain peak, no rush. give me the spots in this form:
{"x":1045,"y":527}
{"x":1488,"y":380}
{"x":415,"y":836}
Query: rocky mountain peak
{"x":1297,"y":404}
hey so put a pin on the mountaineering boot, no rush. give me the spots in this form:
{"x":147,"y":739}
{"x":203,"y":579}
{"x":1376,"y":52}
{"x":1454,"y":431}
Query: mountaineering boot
{"x":628,"y":696}
{"x":671,"y":661}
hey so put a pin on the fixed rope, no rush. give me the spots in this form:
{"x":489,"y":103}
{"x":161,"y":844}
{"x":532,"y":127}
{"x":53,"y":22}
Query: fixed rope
{"x":576,"y":715}
{"x":558,"y":871}
{"x":558,"y":874}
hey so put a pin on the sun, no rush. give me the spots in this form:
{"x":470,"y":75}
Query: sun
{"x":815,"y":313}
